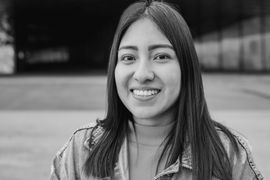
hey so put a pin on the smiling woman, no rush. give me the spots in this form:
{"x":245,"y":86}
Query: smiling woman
{"x":143,"y":75}
{"x":157,"y":124}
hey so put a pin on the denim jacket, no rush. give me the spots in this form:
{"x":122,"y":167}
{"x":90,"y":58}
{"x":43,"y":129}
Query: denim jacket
{"x":69,"y":161}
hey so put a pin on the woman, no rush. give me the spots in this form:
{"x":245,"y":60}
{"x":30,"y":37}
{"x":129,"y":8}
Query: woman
{"x":157,"y":123}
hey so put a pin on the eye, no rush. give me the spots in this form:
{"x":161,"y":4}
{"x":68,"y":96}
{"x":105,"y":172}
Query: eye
{"x":162,"y":57}
{"x":127,"y":58}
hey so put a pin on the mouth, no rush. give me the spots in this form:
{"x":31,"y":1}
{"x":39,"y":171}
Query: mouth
{"x":145,"y":92}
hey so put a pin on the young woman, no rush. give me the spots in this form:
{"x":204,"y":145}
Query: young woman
{"x":157,"y":124}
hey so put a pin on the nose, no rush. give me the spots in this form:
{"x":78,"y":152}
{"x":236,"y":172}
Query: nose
{"x":143,"y":72}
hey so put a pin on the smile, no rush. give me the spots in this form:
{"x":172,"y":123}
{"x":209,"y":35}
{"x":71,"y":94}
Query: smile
{"x":145,"y":92}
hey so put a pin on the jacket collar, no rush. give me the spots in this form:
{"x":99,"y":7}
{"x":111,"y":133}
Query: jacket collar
{"x":121,"y":168}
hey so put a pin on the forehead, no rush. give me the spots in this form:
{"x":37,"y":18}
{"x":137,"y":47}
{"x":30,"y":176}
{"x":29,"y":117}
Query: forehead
{"x":143,"y":31}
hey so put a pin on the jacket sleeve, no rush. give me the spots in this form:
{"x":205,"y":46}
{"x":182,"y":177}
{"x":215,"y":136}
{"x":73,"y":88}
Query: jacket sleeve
{"x":55,"y":168}
{"x":244,"y":167}
{"x":69,"y":161}
{"x":64,"y":163}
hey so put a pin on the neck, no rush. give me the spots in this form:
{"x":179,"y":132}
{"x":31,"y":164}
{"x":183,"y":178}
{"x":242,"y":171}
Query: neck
{"x":149,"y":135}
{"x":163,"y":119}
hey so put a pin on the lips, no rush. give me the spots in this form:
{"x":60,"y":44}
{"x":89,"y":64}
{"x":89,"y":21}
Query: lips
{"x":145,"y":92}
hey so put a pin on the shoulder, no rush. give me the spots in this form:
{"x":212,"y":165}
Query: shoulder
{"x":78,"y":137}
{"x":69,"y":160}
{"x":83,"y":137}
{"x":242,"y":161}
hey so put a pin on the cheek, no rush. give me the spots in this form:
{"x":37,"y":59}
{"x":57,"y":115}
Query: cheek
{"x":174,"y":84}
{"x":173,"y":81}
{"x":121,"y":78}
{"x":118,"y":77}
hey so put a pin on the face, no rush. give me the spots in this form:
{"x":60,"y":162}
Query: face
{"x":147,"y":73}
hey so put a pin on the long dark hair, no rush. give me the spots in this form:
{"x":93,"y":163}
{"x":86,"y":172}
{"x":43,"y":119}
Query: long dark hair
{"x":193,"y":124}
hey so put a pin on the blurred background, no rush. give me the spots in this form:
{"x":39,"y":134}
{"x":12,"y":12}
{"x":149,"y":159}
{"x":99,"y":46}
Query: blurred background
{"x":53,"y":61}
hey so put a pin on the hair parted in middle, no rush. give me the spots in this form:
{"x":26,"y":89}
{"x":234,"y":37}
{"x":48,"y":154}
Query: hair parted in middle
{"x":193,"y":124}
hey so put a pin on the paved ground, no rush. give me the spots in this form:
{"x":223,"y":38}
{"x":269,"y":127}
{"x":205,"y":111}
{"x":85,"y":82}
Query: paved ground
{"x":52,"y":93}
{"x":38,"y":114}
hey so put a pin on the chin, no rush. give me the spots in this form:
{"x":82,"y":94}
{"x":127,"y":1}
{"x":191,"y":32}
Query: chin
{"x":144,"y":114}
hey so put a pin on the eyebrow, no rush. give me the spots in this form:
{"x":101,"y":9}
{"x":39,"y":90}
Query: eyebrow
{"x":150,"y":48}
{"x":128,"y":47}
{"x":156,"y":46}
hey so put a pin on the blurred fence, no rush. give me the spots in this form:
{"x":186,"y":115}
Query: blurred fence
{"x":240,"y":46}
{"x":230,"y":35}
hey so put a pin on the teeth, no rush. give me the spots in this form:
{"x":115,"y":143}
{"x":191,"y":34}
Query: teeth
{"x":145,"y":92}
